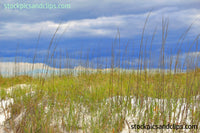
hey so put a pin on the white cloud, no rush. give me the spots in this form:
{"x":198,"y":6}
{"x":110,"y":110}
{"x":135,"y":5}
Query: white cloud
{"x":129,"y":25}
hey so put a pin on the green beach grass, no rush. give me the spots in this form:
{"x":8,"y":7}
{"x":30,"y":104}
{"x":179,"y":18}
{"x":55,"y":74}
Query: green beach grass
{"x":106,"y":100}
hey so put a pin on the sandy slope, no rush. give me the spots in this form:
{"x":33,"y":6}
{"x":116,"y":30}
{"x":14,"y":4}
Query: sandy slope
{"x":180,"y":114}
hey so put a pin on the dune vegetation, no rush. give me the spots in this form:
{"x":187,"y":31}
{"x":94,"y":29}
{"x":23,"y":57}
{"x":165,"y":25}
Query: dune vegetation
{"x":105,"y":100}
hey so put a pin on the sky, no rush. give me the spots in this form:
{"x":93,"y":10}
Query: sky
{"x":89,"y":29}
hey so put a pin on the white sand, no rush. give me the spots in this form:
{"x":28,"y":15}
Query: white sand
{"x":180,"y":113}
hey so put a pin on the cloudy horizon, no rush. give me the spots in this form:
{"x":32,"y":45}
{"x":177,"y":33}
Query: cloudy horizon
{"x":91,"y":27}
